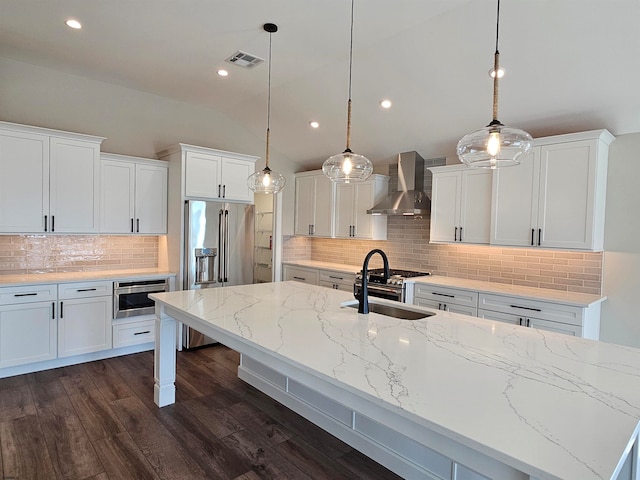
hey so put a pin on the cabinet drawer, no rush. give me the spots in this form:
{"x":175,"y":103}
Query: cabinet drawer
{"x":300,"y":274}
{"x":446,"y":295}
{"x":134,"y":333}
{"x":344,"y":281}
{"x":85,"y":289}
{"x":532,"y":308}
{"x":28,"y":294}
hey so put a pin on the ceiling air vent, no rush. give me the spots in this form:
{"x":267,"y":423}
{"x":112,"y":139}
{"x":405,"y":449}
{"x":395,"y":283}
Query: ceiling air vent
{"x":243,"y":59}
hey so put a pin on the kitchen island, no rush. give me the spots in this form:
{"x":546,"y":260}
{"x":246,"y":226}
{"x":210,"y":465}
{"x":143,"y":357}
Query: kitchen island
{"x":448,"y":396}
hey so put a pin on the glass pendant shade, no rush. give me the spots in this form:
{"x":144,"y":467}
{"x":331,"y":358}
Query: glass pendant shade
{"x":347,"y":167}
{"x":266,"y":181}
{"x":494,"y":146}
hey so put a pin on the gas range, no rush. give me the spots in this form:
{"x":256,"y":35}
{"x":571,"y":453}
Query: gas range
{"x":392,"y":288}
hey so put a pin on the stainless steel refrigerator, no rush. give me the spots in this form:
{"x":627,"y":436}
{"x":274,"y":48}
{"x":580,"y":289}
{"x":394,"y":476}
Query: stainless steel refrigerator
{"x":218,"y":242}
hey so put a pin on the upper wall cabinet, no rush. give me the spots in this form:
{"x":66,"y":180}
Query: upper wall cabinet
{"x":314,"y":204}
{"x":133,"y":195}
{"x":325,"y":209}
{"x":556,"y":197}
{"x":49,"y":180}
{"x":460,"y":205}
{"x":216,"y":175}
{"x":351,"y":205}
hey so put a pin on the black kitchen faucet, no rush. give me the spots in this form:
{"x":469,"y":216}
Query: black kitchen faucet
{"x":363,"y":299}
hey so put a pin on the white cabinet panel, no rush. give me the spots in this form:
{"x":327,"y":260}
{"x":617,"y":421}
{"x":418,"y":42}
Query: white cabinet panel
{"x":214,"y":176}
{"x":127,"y":333}
{"x":133,"y":195}
{"x":556,"y":197}
{"x":446,"y":299}
{"x":24,"y":182}
{"x":84,"y":325}
{"x":460,"y":205}
{"x":74,"y":186}
{"x":151,"y":199}
{"x":27,"y":333}
{"x":300,"y":274}
{"x":314,"y":205}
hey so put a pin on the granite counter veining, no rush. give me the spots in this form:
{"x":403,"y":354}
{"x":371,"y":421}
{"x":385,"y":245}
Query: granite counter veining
{"x":550,"y":405}
{"x":543,"y":294}
{"x":68,"y":277}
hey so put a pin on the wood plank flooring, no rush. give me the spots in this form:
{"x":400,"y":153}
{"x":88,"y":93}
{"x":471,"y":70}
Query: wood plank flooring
{"x":98,"y":421}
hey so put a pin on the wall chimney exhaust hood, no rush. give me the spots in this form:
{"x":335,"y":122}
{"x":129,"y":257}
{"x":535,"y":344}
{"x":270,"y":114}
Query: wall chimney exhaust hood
{"x":410,"y":199}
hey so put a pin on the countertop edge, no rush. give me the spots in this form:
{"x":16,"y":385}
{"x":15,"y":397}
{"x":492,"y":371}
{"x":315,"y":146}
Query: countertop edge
{"x":73,"y":277}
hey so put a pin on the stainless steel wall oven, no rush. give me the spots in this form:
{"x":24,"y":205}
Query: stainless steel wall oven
{"x":132,"y":298}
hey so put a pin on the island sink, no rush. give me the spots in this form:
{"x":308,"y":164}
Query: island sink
{"x":399,"y":311}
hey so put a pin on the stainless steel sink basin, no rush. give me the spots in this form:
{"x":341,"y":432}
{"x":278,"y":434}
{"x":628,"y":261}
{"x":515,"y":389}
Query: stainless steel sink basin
{"x":399,"y":311}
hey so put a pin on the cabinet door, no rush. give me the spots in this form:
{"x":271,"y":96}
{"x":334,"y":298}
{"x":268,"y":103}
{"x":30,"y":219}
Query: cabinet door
{"x":445,"y":207}
{"x":202,"y":175}
{"x":567,"y":185}
{"x":515,"y":203}
{"x":234,"y":179}
{"x":501,"y":317}
{"x":304,"y":205}
{"x":151,"y":199}
{"x":27,"y":333}
{"x":344,"y":209}
{"x":323,"y":207}
{"x":554,"y":327}
{"x":84,"y":326}
{"x":24,"y":182}
{"x":74,"y":199}
{"x":475,"y":207}
{"x":424,"y":302}
{"x":363,"y":201}
{"x":117,"y":193}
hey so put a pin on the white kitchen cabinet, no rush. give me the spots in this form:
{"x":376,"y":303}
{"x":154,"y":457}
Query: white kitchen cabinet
{"x":129,"y":331}
{"x":446,"y":299}
{"x":27,"y":324}
{"x":336,"y":280}
{"x":460,"y":205}
{"x":133,"y":195}
{"x":314,"y":204}
{"x":556,"y":197}
{"x":352,"y":200}
{"x":218,"y":175}
{"x":84,"y":317}
{"x":49,"y":180}
{"x":567,"y":319}
{"x":300,"y":274}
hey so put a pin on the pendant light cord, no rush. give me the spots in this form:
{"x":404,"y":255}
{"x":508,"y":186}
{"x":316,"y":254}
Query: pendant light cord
{"x":496,"y":68}
{"x":348,"y":149}
{"x":266,"y":161}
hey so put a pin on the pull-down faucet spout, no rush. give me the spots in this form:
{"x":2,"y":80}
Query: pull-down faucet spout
{"x":363,"y":299}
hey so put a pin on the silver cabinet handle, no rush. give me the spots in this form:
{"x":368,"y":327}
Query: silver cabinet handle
{"x":222,"y":253}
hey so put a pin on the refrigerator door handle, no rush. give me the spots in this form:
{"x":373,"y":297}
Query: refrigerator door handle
{"x":226,"y":245}
{"x":222,"y":249}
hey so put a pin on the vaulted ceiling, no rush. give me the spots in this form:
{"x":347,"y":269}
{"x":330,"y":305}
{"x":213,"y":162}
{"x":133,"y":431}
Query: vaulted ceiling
{"x":571,"y":65}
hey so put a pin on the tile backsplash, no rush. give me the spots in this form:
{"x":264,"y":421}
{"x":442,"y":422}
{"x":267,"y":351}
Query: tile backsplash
{"x":20,"y":254}
{"x":408,"y":247}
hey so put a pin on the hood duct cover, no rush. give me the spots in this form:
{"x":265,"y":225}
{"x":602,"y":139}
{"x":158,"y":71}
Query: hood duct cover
{"x":410,"y":199}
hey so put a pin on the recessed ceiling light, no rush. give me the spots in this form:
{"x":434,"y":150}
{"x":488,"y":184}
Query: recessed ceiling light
{"x":223,"y":73}
{"x":385,"y":103}
{"x":72,"y":23}
{"x":314,"y":124}
{"x":500,"y":72}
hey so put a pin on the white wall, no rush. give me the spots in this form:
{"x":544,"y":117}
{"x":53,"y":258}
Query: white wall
{"x":134,"y":122}
{"x":620,"y":321}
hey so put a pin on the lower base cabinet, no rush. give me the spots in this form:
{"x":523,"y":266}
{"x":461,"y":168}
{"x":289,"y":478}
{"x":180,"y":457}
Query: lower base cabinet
{"x":84,"y":326}
{"x":446,"y":299}
{"x":27,"y":333}
{"x":337,"y":280}
{"x":301,"y":274}
{"x":128,"y":332}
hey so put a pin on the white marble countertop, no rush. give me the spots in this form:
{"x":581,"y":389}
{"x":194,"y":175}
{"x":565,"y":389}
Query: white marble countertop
{"x":550,"y":405}
{"x":334,"y":267}
{"x":544,"y":294}
{"x":68,"y":277}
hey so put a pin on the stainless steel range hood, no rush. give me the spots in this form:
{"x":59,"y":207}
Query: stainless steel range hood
{"x":410,"y":199}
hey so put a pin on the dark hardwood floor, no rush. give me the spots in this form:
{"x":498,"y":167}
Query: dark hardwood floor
{"x":98,"y":421}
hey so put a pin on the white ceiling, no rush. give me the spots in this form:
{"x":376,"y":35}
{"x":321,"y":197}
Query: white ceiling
{"x":571,"y":64}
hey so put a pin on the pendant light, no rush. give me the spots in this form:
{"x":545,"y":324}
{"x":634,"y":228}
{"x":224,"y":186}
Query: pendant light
{"x":495,"y":145}
{"x":348,"y":166}
{"x":267,"y":181}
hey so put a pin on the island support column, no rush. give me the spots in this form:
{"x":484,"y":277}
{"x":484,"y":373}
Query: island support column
{"x":164,"y":372}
